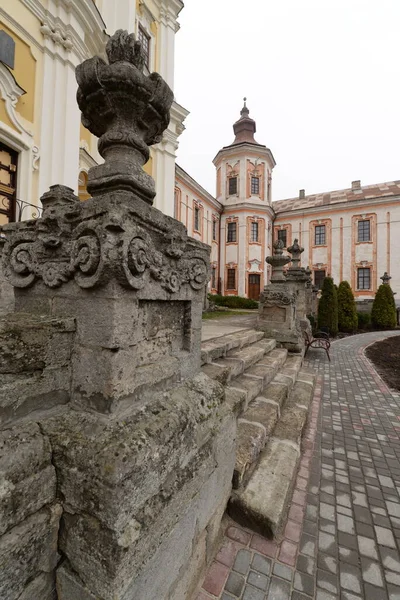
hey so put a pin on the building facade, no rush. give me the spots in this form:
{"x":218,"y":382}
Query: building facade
{"x":42,"y":140}
{"x":351,"y":234}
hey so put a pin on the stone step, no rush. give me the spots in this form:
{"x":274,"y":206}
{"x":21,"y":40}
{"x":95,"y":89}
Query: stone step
{"x":262,"y":503}
{"x":242,"y":390}
{"x":219,"y":347}
{"x":253,"y":431}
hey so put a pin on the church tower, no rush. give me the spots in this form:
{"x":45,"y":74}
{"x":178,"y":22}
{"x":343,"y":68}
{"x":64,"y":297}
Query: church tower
{"x":244,"y":174}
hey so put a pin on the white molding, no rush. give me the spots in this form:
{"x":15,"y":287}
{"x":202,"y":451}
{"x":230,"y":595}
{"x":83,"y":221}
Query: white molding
{"x":11,"y":92}
{"x":28,"y":156}
{"x":86,"y":160}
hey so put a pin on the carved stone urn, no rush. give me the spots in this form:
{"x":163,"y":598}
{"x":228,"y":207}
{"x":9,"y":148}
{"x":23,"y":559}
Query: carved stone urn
{"x":277,"y":262}
{"x":127,"y":110}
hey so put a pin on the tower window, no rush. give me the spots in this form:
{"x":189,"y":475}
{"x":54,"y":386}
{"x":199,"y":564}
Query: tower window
{"x":282,"y":235}
{"x":255,"y":185}
{"x":144,"y":39}
{"x":231,"y":279}
{"x":320,"y":236}
{"x":231,"y":237}
{"x":197,"y":218}
{"x":364,"y":231}
{"x":254,"y":232}
{"x":233,"y":186}
{"x":364,"y":279}
{"x":214,"y":230}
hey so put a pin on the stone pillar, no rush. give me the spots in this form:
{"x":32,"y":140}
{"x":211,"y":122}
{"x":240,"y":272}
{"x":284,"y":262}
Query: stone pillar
{"x":297,"y":279}
{"x":140,"y":445}
{"x":277,"y":315}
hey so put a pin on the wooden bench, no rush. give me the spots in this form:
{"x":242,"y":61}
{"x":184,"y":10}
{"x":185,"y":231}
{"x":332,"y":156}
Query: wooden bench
{"x":321,"y":340}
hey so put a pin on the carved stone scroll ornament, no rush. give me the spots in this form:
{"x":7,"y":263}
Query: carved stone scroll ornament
{"x":278,"y":298}
{"x":127,"y":110}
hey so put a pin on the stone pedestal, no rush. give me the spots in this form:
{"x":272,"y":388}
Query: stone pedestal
{"x":277,"y":315}
{"x":297,"y":280}
{"x":102,"y":365}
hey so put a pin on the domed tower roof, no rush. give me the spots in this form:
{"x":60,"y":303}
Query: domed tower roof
{"x":245,"y":128}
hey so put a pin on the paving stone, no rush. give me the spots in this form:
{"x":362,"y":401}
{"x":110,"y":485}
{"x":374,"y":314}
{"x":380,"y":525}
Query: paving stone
{"x":350,"y":578}
{"x":305,"y":564}
{"x":367,"y":547}
{"x":235,"y":584}
{"x":252,"y":593}
{"x":371,"y":572}
{"x":374,"y":593}
{"x":278,"y":590}
{"x":327,"y":563}
{"x":261,"y":564}
{"x":345,"y":524}
{"x":390,"y":559}
{"x":385,"y":537}
{"x":327,"y":581}
{"x":283,"y":571}
{"x":258,"y":580}
{"x":304,"y":583}
{"x":242,"y":561}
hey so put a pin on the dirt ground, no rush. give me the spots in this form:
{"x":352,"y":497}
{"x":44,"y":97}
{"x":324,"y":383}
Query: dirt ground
{"x":386,"y":358}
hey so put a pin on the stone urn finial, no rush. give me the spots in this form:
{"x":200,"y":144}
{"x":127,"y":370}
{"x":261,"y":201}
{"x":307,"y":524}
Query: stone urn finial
{"x":385,"y":278}
{"x":295,"y":250}
{"x":127,"y":110}
{"x":277,"y":262}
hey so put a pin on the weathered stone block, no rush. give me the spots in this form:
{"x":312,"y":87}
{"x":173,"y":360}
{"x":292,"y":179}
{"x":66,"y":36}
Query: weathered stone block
{"x":35,"y":356}
{"x":127,"y":482}
{"x":262,"y":504}
{"x":41,"y":588}
{"x":28,"y":477}
{"x":28,"y":550}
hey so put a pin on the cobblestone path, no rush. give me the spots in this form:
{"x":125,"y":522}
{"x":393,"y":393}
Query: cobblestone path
{"x":342,"y":537}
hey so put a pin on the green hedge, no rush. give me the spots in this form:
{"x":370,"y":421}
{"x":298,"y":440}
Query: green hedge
{"x":347,"y":311}
{"x":328,"y":308}
{"x":364,"y":320}
{"x":232,"y":301}
{"x":383,"y":314}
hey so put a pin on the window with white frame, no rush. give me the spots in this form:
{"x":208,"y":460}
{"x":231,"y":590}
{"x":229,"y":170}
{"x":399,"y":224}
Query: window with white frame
{"x":255,"y":186}
{"x":231,"y":279}
{"x":233,"y":186}
{"x":214,"y":230}
{"x":282,"y":236}
{"x":145,"y":39}
{"x":364,"y":278}
{"x":231,"y":233}
{"x":364,"y":230}
{"x":197,"y":218}
{"x":320,"y":235}
{"x":254,"y":232}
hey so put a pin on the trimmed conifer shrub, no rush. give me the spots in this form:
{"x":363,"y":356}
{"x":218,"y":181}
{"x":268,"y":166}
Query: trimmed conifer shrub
{"x":383,"y":314}
{"x":347,"y":310}
{"x":328,"y":308}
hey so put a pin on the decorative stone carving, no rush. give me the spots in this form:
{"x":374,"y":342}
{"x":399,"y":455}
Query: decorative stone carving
{"x":127,"y":110}
{"x":64,"y":245}
{"x":385,"y":278}
{"x":277,"y":262}
{"x":280,"y":298}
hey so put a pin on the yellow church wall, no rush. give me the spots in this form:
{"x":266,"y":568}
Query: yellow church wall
{"x":148,"y":167}
{"x":4,"y":118}
{"x":86,"y":136}
{"x":24,"y":73}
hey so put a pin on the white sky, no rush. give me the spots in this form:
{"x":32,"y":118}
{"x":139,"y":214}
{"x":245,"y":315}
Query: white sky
{"x":322,"y":79}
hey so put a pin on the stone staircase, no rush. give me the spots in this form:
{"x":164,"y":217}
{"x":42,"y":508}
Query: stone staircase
{"x":270,"y":393}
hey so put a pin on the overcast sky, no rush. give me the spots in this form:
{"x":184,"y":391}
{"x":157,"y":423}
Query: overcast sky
{"x":322,"y":78}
